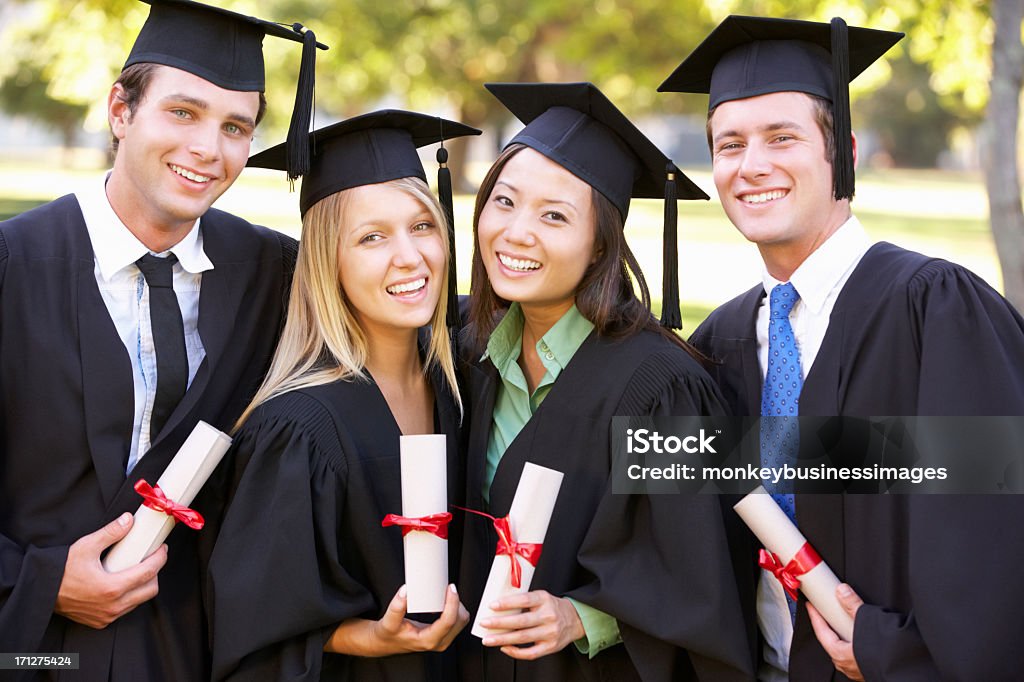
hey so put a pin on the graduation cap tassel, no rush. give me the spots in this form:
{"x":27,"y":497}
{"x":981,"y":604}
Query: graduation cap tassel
{"x":670,"y":316}
{"x":297,"y":145}
{"x":444,"y":190}
{"x":842,"y":166}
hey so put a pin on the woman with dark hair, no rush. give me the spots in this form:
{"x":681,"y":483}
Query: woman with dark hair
{"x":626,"y":587}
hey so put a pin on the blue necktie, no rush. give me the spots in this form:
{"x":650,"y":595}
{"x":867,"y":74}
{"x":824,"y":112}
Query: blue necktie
{"x":780,"y":397}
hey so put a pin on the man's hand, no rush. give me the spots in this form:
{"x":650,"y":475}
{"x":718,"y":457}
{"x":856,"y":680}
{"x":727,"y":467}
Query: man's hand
{"x":838,"y":649}
{"x":548,"y":623}
{"x":90,"y":595}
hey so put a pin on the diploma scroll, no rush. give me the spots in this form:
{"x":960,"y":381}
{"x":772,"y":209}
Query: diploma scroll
{"x":424,"y":461}
{"x":781,"y":537}
{"x":195,"y":461}
{"x":528,"y":518}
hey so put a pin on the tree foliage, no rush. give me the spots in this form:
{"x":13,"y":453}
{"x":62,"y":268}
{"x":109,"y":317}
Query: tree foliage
{"x":431,"y":53}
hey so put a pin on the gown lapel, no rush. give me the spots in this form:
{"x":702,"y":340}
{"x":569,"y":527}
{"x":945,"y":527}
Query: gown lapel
{"x":107,"y":387}
{"x":483,"y":388}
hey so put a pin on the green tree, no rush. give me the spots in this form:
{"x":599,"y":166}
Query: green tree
{"x":1002,"y":172}
{"x":26,"y":93}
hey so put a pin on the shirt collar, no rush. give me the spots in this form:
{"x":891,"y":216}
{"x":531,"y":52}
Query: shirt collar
{"x":562,"y":341}
{"x":822,"y":271}
{"x":565,"y":337}
{"x":114,"y":245}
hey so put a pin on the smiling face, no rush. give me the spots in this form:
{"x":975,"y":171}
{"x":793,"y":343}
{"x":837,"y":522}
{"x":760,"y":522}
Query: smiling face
{"x":185,"y":143}
{"x":391,"y":259}
{"x":773,"y":176}
{"x":535,"y":233}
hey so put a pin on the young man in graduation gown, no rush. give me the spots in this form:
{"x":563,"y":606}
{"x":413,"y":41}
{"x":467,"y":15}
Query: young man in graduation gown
{"x":932,"y":581}
{"x":128,"y":312}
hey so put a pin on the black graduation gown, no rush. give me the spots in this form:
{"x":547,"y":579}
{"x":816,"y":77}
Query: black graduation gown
{"x":939,"y":575}
{"x":301,"y":547}
{"x":659,"y":564}
{"x":65,"y":399}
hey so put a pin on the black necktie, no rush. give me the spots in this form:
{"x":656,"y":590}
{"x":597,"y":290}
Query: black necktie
{"x":168,"y":339}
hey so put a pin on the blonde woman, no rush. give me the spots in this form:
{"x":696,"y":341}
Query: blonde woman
{"x":303,"y":582}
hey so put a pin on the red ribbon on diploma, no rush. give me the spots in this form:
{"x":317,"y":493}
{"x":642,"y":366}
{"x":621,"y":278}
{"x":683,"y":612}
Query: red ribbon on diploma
{"x":507,"y":546}
{"x":154,"y":498}
{"x":789,"y":575}
{"x":435,"y":524}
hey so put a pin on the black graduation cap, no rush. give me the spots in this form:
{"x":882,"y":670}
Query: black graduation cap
{"x":372,"y":148}
{"x":577,"y":127}
{"x":226,"y":48}
{"x":750,"y":56}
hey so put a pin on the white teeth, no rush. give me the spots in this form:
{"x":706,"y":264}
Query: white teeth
{"x":764,"y":196}
{"x":518,"y":264}
{"x":415,"y":285}
{"x":185,"y":173}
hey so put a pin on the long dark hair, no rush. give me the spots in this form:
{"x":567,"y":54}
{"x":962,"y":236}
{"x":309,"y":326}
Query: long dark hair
{"x":605,"y":294}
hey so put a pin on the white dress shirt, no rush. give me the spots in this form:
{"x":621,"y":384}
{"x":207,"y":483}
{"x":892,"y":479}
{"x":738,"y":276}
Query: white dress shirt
{"x":819,"y":281}
{"x":126,"y":296}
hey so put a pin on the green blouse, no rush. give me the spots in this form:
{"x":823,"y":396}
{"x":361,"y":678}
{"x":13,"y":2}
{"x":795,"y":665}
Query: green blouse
{"x":513,"y":407}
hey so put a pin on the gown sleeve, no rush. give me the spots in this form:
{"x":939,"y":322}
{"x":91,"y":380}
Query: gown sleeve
{"x":277,"y":583}
{"x":661,"y":562}
{"x":965,"y":551}
{"x":30,"y":576}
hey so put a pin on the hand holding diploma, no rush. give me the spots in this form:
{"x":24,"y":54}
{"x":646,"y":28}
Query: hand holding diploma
{"x":795,"y":561}
{"x":520,"y":541}
{"x":838,"y":649}
{"x":547,"y":622}
{"x":90,"y":595}
{"x":396,"y":634}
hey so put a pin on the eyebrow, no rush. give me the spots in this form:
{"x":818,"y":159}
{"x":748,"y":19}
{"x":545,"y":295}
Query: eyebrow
{"x":544,"y":200}
{"x":423,"y":216}
{"x":203,"y":105}
{"x":769,"y":128}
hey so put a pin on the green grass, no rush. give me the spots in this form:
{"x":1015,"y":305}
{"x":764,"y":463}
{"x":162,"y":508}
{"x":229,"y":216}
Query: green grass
{"x":11,"y":207}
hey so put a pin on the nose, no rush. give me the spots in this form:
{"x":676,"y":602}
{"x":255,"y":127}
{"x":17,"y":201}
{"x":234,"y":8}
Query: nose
{"x":519,"y":230}
{"x":755,"y":162}
{"x":406,"y":253}
{"x":205,"y":141}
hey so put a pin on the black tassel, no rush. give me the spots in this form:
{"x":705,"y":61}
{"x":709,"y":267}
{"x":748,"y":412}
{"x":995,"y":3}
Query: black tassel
{"x":444,"y":191}
{"x":670,"y":316}
{"x":842,"y":164}
{"x":297,"y":142}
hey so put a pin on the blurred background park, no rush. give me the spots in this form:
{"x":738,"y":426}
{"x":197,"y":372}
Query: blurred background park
{"x":936,"y":120}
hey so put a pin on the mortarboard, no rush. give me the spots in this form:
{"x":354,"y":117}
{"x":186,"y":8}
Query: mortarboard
{"x":226,"y":48}
{"x":750,"y":56}
{"x":577,"y":127}
{"x":373,"y":148}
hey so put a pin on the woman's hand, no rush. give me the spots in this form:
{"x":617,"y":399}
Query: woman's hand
{"x":549,"y":624}
{"x":396,"y":634}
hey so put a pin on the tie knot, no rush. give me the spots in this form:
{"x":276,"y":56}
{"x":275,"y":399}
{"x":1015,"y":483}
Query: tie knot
{"x":783,"y":298}
{"x":156,"y":270}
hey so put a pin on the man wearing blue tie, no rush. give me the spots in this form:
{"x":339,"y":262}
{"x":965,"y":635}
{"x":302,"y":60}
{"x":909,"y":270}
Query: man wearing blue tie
{"x":841,"y":326}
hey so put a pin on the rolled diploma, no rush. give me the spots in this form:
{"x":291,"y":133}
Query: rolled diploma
{"x":529,"y":517}
{"x":425,"y":492}
{"x":781,"y":537}
{"x":190,"y":468}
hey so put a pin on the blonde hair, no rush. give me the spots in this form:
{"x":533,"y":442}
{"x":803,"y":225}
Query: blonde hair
{"x":322,"y":341}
